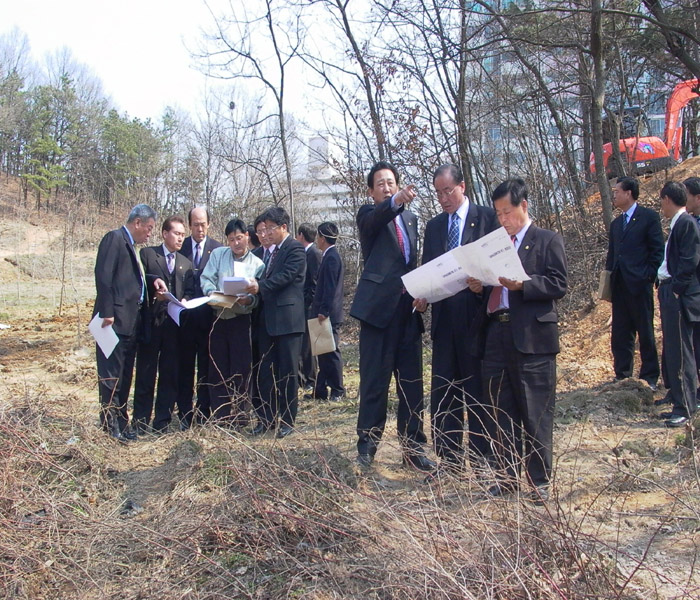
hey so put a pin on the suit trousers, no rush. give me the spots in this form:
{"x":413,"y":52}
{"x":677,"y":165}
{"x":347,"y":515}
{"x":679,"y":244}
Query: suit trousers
{"x":632,"y":315}
{"x":114,"y":380}
{"x":157,"y":356}
{"x":456,"y":384}
{"x":521,"y":390}
{"x":229,"y":369}
{"x":395,"y":349}
{"x":678,"y":352}
{"x":330,"y":372}
{"x":278,"y":379}
{"x":308,"y":363}
{"x":194,"y":351}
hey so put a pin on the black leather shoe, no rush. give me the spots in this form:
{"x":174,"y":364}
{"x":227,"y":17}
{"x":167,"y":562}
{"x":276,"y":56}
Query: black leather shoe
{"x":311,"y":396}
{"x":665,"y":400}
{"x":499,"y":490}
{"x":337,"y":398}
{"x":420,"y":462}
{"x":365,"y":460}
{"x":130,"y":434}
{"x":259,"y":429}
{"x":539,"y":495}
{"x":676,"y":421}
{"x":284,"y":431}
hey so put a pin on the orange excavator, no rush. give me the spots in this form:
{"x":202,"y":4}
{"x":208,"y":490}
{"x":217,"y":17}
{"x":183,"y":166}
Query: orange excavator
{"x":649,"y":154}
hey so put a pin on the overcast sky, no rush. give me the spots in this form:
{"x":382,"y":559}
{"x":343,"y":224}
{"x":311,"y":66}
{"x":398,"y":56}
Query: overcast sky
{"x":137,"y":48}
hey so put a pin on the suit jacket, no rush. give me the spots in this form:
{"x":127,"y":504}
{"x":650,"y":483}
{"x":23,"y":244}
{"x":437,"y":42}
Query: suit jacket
{"x":328,"y":299}
{"x":683,"y":262}
{"x":180,"y":283}
{"x":533,"y":311}
{"x":282,"y":290}
{"x":118,"y":281}
{"x":635,"y":254}
{"x":186,"y":251}
{"x":313,"y":262}
{"x":379,"y":290}
{"x":480,"y":221}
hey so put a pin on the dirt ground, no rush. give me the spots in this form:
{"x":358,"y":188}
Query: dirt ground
{"x":210,"y":513}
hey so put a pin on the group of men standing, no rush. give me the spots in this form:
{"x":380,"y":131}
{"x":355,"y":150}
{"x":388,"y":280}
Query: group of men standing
{"x":130,"y":288}
{"x":638,"y":259}
{"x":494,"y":348}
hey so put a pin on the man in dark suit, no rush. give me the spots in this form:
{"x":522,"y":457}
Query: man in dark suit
{"x":456,"y":375}
{"x":328,"y":304}
{"x":121,"y":291}
{"x":521,"y":344}
{"x":679,"y":302}
{"x":281,"y":324}
{"x":158,"y":354}
{"x":635,"y":251}
{"x":390,"y":330}
{"x":196,"y":323}
{"x":692,"y":188}
{"x":308,"y":364}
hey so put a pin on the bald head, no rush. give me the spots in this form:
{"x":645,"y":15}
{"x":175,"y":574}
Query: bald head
{"x":199,"y":223}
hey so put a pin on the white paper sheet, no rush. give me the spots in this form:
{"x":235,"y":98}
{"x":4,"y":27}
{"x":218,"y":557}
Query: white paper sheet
{"x":486,"y":259}
{"x":235,"y":285}
{"x":105,"y":337}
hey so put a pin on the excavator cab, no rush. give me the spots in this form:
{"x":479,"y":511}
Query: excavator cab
{"x":642,"y":153}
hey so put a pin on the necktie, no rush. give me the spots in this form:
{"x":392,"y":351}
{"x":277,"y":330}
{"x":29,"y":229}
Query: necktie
{"x":624,"y":221}
{"x":271,"y":261}
{"x":171,"y":262}
{"x":453,"y":233}
{"x":494,"y":302}
{"x":197,"y":256}
{"x":266,"y":257}
{"x":399,"y":237}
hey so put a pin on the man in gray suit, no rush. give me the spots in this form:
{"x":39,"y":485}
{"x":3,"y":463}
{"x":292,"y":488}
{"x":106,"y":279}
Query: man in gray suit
{"x":390,"y":330}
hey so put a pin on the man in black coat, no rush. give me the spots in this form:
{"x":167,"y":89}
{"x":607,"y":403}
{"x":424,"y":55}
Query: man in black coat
{"x":521,"y":343}
{"x":390,"y":330}
{"x":456,"y":374}
{"x":635,"y":251}
{"x":306,"y":234}
{"x":121,"y":291}
{"x":195,"y":324}
{"x":679,"y":302}
{"x":158,"y":354}
{"x":328,"y":304}
{"x":282,"y":322}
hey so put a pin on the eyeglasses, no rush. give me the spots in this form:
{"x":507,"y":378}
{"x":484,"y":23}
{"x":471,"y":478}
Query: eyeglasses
{"x":445,"y":193}
{"x":267,"y":230}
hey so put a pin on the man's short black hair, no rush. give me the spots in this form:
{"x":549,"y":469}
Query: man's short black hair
{"x":453,"y":170}
{"x":380,"y":166}
{"x":308,"y":231}
{"x":692,"y":184}
{"x":328,"y":231}
{"x":675,"y":192}
{"x":276,"y":215}
{"x":629,"y":184}
{"x":515,"y":186}
{"x":189,"y":214}
{"x":235,"y":225}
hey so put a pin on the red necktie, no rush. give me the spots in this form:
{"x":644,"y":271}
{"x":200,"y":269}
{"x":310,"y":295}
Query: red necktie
{"x":399,"y":237}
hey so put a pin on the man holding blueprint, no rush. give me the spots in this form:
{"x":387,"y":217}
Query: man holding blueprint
{"x":520,"y":346}
{"x":456,"y":376}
